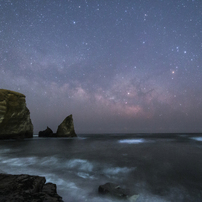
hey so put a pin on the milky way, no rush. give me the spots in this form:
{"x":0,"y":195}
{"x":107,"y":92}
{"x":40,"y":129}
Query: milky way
{"x":117,"y":66}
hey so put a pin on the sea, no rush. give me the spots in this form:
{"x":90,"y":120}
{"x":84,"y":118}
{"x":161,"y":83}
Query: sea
{"x":156,"y":167}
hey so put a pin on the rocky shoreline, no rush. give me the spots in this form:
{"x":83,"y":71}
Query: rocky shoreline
{"x":19,"y":188}
{"x":33,"y":188}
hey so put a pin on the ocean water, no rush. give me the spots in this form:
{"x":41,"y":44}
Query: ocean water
{"x":159,"y":168}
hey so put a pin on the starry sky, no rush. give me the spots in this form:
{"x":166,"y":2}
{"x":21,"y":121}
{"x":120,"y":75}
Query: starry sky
{"x":119,"y":66}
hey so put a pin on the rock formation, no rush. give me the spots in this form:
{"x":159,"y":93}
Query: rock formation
{"x":15,"y":119}
{"x":66,"y":128}
{"x":46,"y":133}
{"x":20,"y":188}
{"x":115,"y":190}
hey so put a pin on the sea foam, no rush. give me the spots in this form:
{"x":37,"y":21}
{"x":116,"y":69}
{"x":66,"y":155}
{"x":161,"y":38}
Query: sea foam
{"x":80,"y":164}
{"x":197,"y":138}
{"x":118,"y":170}
{"x":132,"y":141}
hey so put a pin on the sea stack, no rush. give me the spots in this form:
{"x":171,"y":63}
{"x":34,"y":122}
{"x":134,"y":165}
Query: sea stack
{"x":15,"y":119}
{"x":46,"y":133}
{"x":66,"y":128}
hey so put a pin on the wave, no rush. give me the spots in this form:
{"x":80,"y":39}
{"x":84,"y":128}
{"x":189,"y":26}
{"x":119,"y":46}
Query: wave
{"x":132,"y":141}
{"x":25,"y":161}
{"x":197,"y":138}
{"x":117,"y":170}
{"x":79,"y":164}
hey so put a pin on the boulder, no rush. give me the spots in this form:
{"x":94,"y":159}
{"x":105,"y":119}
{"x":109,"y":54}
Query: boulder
{"x":15,"y":119}
{"x":115,"y":190}
{"x":30,"y":188}
{"x":66,"y":128}
{"x":46,"y":133}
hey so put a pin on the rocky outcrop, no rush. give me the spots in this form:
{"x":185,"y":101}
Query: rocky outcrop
{"x":20,"y":188}
{"x":115,"y":190}
{"x":46,"y":133}
{"x":15,"y":119}
{"x":66,"y":128}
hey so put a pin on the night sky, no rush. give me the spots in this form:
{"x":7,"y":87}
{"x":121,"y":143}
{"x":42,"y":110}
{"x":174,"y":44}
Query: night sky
{"x":119,"y":66}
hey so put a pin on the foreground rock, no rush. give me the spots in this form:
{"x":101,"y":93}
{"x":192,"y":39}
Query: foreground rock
{"x":15,"y":119}
{"x":46,"y":133}
{"x":66,"y":128}
{"x":21,"y":188}
{"x":115,"y":190}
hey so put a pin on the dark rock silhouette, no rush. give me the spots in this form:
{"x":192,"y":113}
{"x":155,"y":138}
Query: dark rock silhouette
{"x":20,"y":188}
{"x":115,"y":190}
{"x":15,"y":119}
{"x":66,"y":128}
{"x":46,"y":133}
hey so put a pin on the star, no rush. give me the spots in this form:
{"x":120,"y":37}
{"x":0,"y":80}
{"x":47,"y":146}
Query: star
{"x":109,"y":58}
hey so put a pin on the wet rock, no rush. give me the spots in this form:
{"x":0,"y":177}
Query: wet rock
{"x":133,"y":198}
{"x":66,"y":128}
{"x":115,"y":190}
{"x":18,"y":188}
{"x":15,"y":119}
{"x":46,"y":133}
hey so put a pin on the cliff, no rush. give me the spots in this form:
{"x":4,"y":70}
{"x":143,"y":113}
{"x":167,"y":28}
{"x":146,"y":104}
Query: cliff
{"x":15,"y":119}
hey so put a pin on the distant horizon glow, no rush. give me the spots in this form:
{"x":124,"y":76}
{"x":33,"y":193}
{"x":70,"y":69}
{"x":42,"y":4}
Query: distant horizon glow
{"x":117,"y":66}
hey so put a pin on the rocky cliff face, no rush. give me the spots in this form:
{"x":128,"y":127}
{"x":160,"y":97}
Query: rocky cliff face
{"x":66,"y":128}
{"x":15,"y":119}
